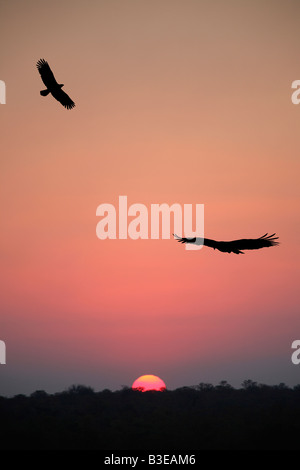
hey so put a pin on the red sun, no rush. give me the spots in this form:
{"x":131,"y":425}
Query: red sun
{"x":148,"y":382}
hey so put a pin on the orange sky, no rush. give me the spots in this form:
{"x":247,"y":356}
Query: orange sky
{"x":186,"y":102}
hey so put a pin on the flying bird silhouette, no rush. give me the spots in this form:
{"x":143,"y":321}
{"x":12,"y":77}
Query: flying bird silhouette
{"x":52,"y":86}
{"x":234,"y":246}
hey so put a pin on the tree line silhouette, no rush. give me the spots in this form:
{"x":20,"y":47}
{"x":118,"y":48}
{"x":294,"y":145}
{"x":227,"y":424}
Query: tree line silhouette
{"x":200,"y":417}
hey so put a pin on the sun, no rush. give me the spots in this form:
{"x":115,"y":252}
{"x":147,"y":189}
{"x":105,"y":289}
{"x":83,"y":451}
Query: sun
{"x":149,"y":382}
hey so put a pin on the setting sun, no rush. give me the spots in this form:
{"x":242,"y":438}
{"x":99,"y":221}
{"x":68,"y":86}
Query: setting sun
{"x":148,"y":382}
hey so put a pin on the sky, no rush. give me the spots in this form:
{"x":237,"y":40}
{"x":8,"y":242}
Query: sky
{"x":184,"y":102}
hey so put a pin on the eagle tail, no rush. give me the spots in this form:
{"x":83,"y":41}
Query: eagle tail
{"x":45,"y":92}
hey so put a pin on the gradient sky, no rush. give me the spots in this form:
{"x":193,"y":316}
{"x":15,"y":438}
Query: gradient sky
{"x":176,"y":101}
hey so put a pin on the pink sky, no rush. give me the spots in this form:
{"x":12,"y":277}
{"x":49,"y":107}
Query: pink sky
{"x":186,"y":102}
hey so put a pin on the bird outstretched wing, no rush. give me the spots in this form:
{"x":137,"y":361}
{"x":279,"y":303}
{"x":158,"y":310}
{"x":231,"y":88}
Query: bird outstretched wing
{"x":184,"y":240}
{"x":46,"y":73}
{"x":264,"y":241}
{"x":63,"y":98}
{"x":235,"y":246}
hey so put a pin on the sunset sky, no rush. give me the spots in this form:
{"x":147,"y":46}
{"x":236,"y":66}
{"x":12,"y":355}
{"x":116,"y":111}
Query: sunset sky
{"x":176,"y":102}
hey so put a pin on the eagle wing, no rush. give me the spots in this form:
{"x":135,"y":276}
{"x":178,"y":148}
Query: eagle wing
{"x":63,"y":98}
{"x":184,"y":240}
{"x":46,"y":74}
{"x":264,"y":241}
{"x":235,"y":246}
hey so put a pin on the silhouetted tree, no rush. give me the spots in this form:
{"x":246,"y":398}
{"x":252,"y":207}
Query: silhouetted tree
{"x":205,"y":386}
{"x":39,"y":394}
{"x":80,"y":390}
{"x":281,"y":386}
{"x":249,"y":385}
{"x":224,"y":385}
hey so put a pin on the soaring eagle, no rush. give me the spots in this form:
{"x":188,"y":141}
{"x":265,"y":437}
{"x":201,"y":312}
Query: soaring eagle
{"x":52,"y":86}
{"x":234,"y":246}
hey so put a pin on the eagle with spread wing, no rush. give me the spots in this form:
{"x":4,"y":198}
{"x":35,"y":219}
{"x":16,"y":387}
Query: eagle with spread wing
{"x":52,"y":86}
{"x":235,"y":246}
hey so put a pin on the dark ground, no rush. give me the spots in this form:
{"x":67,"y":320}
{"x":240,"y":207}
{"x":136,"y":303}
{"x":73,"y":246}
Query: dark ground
{"x":203,"y":417}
